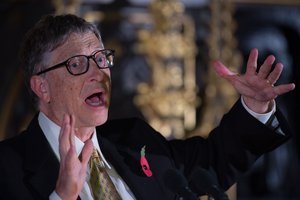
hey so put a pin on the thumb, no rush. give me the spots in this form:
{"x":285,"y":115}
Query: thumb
{"x":222,"y":70}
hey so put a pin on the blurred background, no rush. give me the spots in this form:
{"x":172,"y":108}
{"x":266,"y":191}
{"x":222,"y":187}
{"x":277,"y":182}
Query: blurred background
{"x":163,"y":74}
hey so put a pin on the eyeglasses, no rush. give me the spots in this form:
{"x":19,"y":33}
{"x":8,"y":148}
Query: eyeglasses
{"x":79,"y":64}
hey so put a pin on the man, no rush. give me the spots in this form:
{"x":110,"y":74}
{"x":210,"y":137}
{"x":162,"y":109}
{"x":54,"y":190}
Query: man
{"x":67,"y":71}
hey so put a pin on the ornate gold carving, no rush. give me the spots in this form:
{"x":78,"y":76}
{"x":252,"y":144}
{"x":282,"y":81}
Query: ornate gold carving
{"x":169,"y":100}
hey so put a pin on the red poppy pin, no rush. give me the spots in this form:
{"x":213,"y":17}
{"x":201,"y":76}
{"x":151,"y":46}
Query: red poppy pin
{"x":144,"y":163}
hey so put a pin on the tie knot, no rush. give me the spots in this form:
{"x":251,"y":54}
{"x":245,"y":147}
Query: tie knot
{"x":95,"y":153}
{"x":96,"y":159}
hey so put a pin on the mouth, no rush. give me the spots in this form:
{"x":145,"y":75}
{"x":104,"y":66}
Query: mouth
{"x":96,"y":99}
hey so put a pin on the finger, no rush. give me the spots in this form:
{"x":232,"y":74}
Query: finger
{"x":275,"y":74}
{"x":86,"y":152}
{"x":71,"y":155}
{"x":72,"y":131}
{"x":252,"y":62}
{"x":271,"y":93}
{"x":222,"y":70}
{"x":63,"y":124}
{"x":282,"y":89}
{"x":85,"y":156}
{"x":65,"y":130}
{"x":266,"y":67}
{"x":71,"y":159}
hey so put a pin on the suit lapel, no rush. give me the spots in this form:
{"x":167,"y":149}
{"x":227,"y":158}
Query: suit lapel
{"x":127,"y":164}
{"x":41,"y":165}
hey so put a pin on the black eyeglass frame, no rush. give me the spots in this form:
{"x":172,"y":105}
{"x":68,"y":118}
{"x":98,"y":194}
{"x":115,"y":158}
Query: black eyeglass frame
{"x":66,"y":62}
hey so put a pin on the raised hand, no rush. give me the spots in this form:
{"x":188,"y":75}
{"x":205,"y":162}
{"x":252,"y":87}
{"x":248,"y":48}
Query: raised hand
{"x":72,"y":170}
{"x":257,"y":88}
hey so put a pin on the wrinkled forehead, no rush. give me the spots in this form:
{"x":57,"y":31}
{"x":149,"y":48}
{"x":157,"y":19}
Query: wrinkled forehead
{"x":75,"y":44}
{"x":77,"y":39}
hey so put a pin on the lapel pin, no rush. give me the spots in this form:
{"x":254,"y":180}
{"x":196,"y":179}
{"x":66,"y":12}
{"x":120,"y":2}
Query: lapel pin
{"x":144,"y":163}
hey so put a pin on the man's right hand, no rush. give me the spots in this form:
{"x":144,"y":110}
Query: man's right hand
{"x":72,"y":172}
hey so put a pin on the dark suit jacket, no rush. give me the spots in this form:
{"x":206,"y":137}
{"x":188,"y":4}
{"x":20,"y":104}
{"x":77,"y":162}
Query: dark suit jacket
{"x":29,"y":168}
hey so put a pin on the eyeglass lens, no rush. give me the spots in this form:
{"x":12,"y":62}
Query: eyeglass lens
{"x":79,"y":64}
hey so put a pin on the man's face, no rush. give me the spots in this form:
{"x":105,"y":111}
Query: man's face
{"x":85,"y":96}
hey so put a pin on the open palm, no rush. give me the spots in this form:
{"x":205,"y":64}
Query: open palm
{"x":256,"y":86}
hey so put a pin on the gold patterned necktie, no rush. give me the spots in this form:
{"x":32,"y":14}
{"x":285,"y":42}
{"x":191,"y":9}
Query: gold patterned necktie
{"x":100,"y":182}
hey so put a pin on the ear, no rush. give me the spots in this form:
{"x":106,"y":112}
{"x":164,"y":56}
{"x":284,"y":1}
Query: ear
{"x":39,"y":86}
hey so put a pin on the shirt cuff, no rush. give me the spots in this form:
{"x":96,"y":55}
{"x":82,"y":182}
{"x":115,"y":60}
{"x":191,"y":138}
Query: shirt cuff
{"x":54,"y":196}
{"x":263,"y":118}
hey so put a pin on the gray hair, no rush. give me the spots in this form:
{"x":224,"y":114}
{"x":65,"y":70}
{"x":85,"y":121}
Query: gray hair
{"x":46,"y":35}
